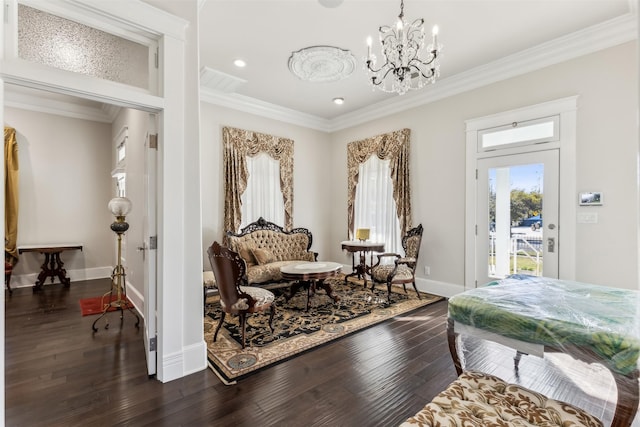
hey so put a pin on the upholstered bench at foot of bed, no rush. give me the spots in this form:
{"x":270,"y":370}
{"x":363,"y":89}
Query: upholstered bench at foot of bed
{"x":477,"y":399}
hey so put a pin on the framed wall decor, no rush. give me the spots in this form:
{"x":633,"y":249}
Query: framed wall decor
{"x":591,"y":198}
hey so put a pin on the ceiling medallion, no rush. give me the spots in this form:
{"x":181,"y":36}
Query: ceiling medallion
{"x":322,"y":64}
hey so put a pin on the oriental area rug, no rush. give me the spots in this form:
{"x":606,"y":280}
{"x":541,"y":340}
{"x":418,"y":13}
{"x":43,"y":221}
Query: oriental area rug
{"x":297,"y":330}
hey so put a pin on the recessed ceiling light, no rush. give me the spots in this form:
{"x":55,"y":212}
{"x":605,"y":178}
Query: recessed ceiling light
{"x":330,"y":3}
{"x":338,"y":101}
{"x":239,"y":63}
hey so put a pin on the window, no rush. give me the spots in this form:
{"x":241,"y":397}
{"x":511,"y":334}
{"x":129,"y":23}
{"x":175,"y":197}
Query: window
{"x":67,"y":45}
{"x":119,"y":173}
{"x":122,"y":152}
{"x":379,"y":190}
{"x":375,"y":207}
{"x":241,"y":147}
{"x":263,"y":196}
{"x":519,"y":133}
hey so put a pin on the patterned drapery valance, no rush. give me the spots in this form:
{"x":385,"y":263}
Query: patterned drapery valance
{"x":393,"y":146}
{"x":238,"y":144}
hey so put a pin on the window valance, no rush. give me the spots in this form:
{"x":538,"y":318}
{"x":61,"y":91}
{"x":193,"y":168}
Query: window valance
{"x":237,"y":145}
{"x":393,"y":146}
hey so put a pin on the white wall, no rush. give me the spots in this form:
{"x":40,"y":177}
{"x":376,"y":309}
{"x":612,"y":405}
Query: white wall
{"x":65,"y":178}
{"x":312,"y":184}
{"x":607,"y":150}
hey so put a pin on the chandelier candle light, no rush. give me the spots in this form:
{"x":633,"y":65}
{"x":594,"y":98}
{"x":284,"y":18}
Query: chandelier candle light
{"x":403,"y":68}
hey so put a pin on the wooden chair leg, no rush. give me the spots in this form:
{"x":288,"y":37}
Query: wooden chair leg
{"x":7,"y":281}
{"x":389,"y":292}
{"x":243,"y":319}
{"x":404,"y":286}
{"x":416,"y":288}
{"x":215,"y":335}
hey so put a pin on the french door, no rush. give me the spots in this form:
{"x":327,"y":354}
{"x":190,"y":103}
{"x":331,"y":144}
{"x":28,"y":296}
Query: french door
{"x":517,"y":215}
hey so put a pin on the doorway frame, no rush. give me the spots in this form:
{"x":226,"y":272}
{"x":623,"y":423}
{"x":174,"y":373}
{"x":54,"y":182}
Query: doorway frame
{"x":566,"y":109}
{"x":180,"y":350}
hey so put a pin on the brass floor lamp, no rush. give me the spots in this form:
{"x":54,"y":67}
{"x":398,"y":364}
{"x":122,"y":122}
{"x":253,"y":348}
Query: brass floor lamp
{"x":119,"y":207}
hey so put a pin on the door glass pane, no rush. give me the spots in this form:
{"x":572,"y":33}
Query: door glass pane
{"x":67,"y":45}
{"x":515,"y":220}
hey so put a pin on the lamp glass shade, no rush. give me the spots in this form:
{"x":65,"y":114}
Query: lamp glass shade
{"x":120,"y":206}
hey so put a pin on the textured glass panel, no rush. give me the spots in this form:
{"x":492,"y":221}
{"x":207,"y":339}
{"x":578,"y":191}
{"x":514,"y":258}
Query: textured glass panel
{"x":60,"y":43}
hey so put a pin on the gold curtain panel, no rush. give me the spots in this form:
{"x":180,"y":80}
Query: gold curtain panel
{"x":240,"y":143}
{"x":11,"y":168}
{"x":393,"y":146}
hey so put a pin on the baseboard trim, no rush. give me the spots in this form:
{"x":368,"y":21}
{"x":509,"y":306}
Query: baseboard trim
{"x":28,"y":280}
{"x":442,"y":289}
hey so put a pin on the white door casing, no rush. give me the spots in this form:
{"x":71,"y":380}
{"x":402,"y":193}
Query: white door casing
{"x":566,"y":110}
{"x":179,"y":352}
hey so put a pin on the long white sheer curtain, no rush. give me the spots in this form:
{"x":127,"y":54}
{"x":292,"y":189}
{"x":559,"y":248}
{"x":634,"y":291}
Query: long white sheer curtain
{"x":263,"y":196}
{"x":374,"y":205}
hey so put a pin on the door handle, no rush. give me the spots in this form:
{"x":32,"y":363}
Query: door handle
{"x":142,"y":249}
{"x":551,"y":244}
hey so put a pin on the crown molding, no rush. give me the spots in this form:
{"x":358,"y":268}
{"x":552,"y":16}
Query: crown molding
{"x":30,"y":102}
{"x":589,"y":40}
{"x":264,"y":109}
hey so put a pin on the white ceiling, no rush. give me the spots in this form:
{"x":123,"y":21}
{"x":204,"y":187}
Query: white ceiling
{"x":473,"y":33}
{"x":484,"y":41}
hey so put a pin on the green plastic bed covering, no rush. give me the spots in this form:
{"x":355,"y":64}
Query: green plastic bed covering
{"x":556,"y":313}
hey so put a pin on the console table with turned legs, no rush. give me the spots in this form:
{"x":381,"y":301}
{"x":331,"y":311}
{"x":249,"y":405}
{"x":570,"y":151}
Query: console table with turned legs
{"x":52,"y":266}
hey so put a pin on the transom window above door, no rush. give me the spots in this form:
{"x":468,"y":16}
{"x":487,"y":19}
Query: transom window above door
{"x":45,"y":33}
{"x":519,"y":133}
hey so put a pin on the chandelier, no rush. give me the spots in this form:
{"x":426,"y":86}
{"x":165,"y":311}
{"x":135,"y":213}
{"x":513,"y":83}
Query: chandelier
{"x":403,"y":67}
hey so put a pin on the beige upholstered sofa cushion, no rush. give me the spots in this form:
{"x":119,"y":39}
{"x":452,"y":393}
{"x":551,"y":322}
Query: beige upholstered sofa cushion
{"x":477,"y":399}
{"x":271,"y":250}
{"x":283,"y":247}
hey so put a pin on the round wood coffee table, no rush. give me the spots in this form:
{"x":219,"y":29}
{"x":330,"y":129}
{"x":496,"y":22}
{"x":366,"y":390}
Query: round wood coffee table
{"x":311,"y":275}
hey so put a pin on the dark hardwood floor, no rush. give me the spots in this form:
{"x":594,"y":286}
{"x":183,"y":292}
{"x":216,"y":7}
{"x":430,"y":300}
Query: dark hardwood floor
{"x":58,"y":373}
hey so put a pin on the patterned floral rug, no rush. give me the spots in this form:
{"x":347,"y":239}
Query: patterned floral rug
{"x":298,"y":330}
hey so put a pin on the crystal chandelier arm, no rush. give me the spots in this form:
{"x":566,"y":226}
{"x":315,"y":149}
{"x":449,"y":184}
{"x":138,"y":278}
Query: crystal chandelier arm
{"x":376,"y":81}
{"x":432,"y":71}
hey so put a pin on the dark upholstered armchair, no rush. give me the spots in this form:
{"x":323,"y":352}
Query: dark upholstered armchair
{"x":403,"y":270}
{"x":235,"y":297}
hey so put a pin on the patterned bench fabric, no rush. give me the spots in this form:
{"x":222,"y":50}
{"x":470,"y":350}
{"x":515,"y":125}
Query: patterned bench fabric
{"x":477,"y":399}
{"x":557,"y":313}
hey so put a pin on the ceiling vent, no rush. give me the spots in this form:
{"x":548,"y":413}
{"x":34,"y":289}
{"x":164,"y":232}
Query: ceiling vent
{"x":218,"y":81}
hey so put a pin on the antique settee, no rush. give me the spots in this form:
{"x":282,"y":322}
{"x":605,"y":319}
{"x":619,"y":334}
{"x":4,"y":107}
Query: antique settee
{"x":265,"y":247}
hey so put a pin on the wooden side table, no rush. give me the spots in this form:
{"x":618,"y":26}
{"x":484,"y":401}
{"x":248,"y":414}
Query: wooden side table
{"x":361,"y":269}
{"x":52,"y":265}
